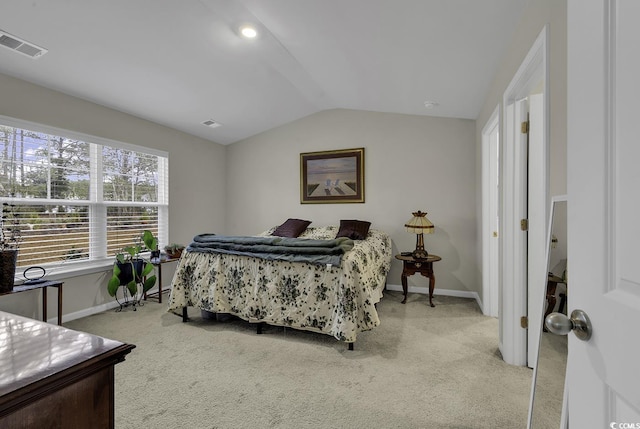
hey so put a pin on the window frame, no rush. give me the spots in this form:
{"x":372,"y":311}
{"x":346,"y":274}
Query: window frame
{"x":98,"y":260}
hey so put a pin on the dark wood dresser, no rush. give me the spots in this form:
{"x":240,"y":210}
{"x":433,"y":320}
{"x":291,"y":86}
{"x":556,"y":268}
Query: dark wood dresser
{"x":54,"y":377}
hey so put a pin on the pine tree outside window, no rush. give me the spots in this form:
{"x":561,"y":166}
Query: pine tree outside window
{"x":79,"y":199}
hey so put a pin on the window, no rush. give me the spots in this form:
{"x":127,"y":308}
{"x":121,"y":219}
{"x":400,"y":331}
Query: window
{"x":79,"y":199}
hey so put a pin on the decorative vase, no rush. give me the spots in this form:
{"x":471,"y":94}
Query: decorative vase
{"x":8,"y":260}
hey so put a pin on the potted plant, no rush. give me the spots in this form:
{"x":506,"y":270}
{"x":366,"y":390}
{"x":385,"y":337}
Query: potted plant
{"x":9,"y":240}
{"x":132,"y":271}
{"x":174,"y":250}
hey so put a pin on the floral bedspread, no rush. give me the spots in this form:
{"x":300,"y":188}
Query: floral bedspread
{"x":334,"y":300}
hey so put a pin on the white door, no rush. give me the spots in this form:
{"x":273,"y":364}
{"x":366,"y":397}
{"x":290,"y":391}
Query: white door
{"x":494,"y":218}
{"x":490,"y":215}
{"x":537,"y":213}
{"x":603,"y":181}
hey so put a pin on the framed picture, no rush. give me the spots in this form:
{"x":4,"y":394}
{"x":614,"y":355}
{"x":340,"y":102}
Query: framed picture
{"x":335,"y":176}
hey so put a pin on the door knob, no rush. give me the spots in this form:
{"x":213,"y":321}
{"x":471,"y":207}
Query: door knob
{"x":579,"y":323}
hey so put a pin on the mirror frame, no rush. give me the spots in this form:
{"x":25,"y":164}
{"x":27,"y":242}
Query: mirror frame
{"x":563,"y":423}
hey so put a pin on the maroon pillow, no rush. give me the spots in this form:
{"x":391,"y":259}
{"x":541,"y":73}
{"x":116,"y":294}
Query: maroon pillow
{"x":354,"y":229}
{"x":291,"y":228}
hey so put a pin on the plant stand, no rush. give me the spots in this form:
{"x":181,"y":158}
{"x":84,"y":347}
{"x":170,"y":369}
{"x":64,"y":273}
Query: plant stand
{"x":128,"y":300}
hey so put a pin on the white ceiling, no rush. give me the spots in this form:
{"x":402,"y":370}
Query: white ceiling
{"x":181,"y":62}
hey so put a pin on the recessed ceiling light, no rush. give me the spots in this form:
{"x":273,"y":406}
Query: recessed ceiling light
{"x":430,"y":104}
{"x":248,"y":32}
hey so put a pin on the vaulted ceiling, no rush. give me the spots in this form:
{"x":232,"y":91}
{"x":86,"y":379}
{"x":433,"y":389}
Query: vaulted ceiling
{"x":179,"y":63}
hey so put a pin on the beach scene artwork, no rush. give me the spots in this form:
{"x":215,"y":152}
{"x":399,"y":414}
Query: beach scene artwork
{"x":332,"y":177}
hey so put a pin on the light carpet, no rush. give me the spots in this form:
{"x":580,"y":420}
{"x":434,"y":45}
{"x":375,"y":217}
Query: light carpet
{"x":422,"y":367}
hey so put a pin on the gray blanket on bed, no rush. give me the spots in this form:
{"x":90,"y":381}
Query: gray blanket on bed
{"x":274,"y":248}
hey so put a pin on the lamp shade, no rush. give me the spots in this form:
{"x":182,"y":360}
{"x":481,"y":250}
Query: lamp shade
{"x":419,"y":224}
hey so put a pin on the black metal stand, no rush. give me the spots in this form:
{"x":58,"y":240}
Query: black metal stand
{"x":128,"y":300}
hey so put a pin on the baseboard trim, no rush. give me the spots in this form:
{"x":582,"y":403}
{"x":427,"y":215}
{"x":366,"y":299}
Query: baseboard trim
{"x":84,"y":312}
{"x":446,"y":292}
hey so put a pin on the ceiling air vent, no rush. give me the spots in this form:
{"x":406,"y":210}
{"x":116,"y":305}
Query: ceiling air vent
{"x":22,"y":46}
{"x":211,"y":123}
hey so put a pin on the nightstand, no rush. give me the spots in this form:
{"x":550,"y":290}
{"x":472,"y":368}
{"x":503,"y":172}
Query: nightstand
{"x":422,"y":266}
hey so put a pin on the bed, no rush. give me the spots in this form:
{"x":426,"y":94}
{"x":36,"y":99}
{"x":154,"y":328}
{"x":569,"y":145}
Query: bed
{"x":336,"y":299}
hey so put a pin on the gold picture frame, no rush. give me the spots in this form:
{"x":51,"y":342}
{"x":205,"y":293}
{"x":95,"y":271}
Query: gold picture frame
{"x":334,"y":176}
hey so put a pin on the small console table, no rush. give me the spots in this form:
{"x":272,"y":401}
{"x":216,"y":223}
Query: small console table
{"x":412,"y":265}
{"x":44,"y":286}
{"x":160,"y":291}
{"x":552,"y":284}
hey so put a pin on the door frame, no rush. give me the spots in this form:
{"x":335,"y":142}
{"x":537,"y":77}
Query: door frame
{"x":513,"y":280}
{"x":490,"y":206}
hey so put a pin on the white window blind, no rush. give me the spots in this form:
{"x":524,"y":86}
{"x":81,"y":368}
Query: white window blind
{"x":78,"y":198}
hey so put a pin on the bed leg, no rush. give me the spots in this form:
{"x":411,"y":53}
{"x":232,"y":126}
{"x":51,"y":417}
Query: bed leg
{"x":350,"y":346}
{"x":259,"y":328}
{"x":185,"y":318}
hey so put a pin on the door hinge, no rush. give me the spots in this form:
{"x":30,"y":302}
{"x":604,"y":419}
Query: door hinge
{"x":524,"y":127}
{"x":524,"y":224}
{"x":524,"y":322}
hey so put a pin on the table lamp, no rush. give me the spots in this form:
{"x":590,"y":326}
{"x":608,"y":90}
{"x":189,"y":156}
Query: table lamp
{"x":419,"y":224}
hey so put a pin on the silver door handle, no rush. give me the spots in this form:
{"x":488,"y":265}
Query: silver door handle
{"x":579,"y":323}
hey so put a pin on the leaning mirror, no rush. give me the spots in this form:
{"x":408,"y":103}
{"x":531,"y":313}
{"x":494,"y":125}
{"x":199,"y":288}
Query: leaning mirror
{"x":548,"y":385}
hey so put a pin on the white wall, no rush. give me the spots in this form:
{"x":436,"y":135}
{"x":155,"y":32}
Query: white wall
{"x":537,"y":14}
{"x":411,"y":163}
{"x":196,"y":188}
